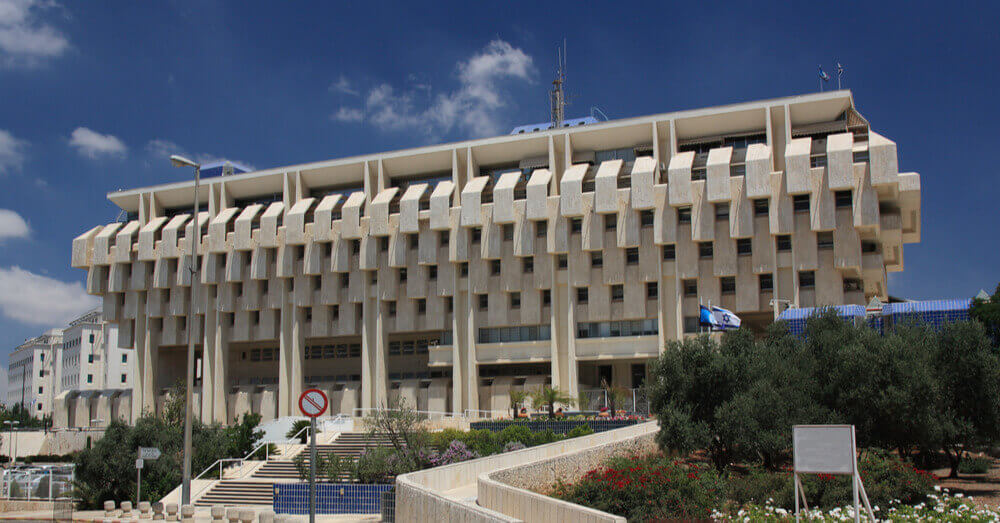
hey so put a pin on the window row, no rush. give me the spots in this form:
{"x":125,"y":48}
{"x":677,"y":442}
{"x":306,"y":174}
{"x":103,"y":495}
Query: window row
{"x":514,"y":334}
{"x":606,"y":329}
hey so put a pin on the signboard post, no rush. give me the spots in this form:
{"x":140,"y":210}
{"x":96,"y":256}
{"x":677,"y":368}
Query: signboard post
{"x":150,"y":453}
{"x":312,"y":403}
{"x":827,"y":449}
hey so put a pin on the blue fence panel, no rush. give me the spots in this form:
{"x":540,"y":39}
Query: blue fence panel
{"x":331,"y":498}
{"x":559,"y":427}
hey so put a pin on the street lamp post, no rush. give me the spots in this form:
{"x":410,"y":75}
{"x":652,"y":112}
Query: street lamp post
{"x":10,"y":440}
{"x":180,"y":161}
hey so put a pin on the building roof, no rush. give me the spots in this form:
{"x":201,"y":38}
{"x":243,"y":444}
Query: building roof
{"x":545,"y":126}
{"x":916,"y":307}
{"x":844,"y":311}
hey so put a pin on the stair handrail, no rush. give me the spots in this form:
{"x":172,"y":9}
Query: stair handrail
{"x":265,"y":444}
{"x":294,"y":439}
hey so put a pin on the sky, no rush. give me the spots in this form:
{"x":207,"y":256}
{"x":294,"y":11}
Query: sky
{"x":94,"y":96}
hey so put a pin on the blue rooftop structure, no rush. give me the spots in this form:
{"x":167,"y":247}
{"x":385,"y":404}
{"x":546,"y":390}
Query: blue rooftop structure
{"x":933,"y":312}
{"x":545,"y":126}
{"x":218,"y":168}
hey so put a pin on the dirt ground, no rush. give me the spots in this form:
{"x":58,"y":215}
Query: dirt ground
{"x":984,"y":488}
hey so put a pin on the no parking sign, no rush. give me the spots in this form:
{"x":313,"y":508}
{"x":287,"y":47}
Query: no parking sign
{"x":313,"y":403}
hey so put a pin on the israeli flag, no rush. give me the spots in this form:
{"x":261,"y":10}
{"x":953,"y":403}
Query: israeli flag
{"x":822,"y":74}
{"x":725,"y":319}
{"x":705,"y":317}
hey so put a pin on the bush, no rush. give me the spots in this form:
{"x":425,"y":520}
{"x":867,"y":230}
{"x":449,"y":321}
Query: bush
{"x":382,"y":465}
{"x":519,"y":433}
{"x":580,"y":430}
{"x":513,"y":445}
{"x":975,"y":465}
{"x":455,"y":453}
{"x":647,"y":488}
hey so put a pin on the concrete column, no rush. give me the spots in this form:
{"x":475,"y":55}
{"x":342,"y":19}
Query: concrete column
{"x":374,"y":373}
{"x":214,"y":372}
{"x":291,"y":341}
{"x":147,"y":338}
{"x":563,"y":322}
{"x":208,"y":363}
{"x":463,"y":364}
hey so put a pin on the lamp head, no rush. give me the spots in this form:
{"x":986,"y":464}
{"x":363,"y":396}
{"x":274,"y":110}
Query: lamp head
{"x":180,"y":161}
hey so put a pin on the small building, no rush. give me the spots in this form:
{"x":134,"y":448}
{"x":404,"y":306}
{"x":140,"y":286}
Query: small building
{"x":879,"y":316}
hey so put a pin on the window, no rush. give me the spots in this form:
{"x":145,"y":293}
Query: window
{"x":41,"y":357}
{"x":582,"y":295}
{"x":824,"y":240}
{"x":691,"y":324}
{"x":356,"y":246}
{"x":383,"y":244}
{"x":646,"y":218}
{"x":494,"y":267}
{"x":39,"y":406}
{"x":528,"y":265}
{"x":477,"y":234}
{"x":91,"y":338}
{"x":610,"y":222}
{"x":669,"y":252}
{"x":868,"y":246}
{"x":860,"y":156}
{"x":728,"y":284}
{"x":421,"y":306}
{"x":784,"y":242}
{"x":508,"y":232}
{"x":766,"y":282}
{"x":617,"y":293}
{"x":575,"y":225}
{"x":562,"y":261}
{"x":374,"y":277}
{"x":632,"y":256}
{"x":449,"y":304}
{"x":596,"y":259}
{"x":414,"y":241}
{"x":800,"y":203}
{"x":705,"y":250}
{"x":124,"y":358}
{"x":90,"y":358}
{"x":853,"y":285}
{"x":514,"y":334}
{"x":604,"y":329}
{"x":546,"y":297}
{"x":432,"y":273}
{"x":41,"y":390}
{"x":722,"y":211}
{"x":90,"y":379}
{"x":484,"y":302}
{"x":390,"y":308}
{"x":464,"y":269}
{"x":817,"y":161}
{"x":744,"y":247}
{"x":444,"y":238}
{"x":334,"y":312}
{"x":843,"y":199}
{"x":515,"y":300}
{"x":690,"y":287}
{"x":402,"y":275}
{"x":540,"y":228}
{"x":652,"y":290}
{"x":683,"y":215}
{"x":345,"y":280}
{"x":761,"y":207}
{"x":807,"y":279}
{"x":124,"y":378}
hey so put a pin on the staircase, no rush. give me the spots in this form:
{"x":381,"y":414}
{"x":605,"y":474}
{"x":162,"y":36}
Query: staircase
{"x":258,"y":488}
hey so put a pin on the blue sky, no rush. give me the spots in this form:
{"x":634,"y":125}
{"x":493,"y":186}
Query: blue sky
{"x":94,"y":95}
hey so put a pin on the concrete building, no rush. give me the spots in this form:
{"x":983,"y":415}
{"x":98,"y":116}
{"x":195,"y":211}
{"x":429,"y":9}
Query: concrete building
{"x":452,"y":273}
{"x":91,"y":357}
{"x":34,"y":371}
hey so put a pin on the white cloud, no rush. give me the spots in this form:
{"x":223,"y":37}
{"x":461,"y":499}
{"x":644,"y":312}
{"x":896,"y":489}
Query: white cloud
{"x":34,"y":299}
{"x":343,"y":86}
{"x":162,"y":149}
{"x":473,"y":108}
{"x":12,"y":225}
{"x":93,"y":144}
{"x":11,"y":151}
{"x":348,"y":114}
{"x":24,"y":40}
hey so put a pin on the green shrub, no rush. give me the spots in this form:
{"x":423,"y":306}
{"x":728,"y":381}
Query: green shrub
{"x":382,"y":465}
{"x":543,"y":437}
{"x":440,"y":440}
{"x":580,"y":430}
{"x":975,"y":465}
{"x":514,"y":433}
{"x":648,"y":488}
{"x":483,"y":442}
{"x":298,"y":426}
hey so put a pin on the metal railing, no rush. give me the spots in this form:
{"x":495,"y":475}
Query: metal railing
{"x":41,"y":483}
{"x":635,"y":400}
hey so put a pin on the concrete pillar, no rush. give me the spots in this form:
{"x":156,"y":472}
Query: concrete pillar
{"x":144,"y":390}
{"x":214,"y":372}
{"x":563,"y":322}
{"x":465,"y":371}
{"x":374,"y":373}
{"x":292,"y":342}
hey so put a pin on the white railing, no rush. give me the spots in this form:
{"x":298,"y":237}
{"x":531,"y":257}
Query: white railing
{"x":485,"y":414}
{"x":361,"y":412}
{"x":43,"y":483}
{"x":634,"y":401}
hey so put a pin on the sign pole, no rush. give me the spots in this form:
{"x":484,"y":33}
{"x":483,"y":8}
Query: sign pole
{"x":312,"y":472}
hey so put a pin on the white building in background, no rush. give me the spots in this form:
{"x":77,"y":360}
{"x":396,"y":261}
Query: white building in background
{"x":34,"y":371}
{"x":91,"y":357}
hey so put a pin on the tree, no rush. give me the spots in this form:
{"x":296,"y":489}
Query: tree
{"x":616,"y":394}
{"x":517,"y":397}
{"x":968,"y":407}
{"x":549,"y":396}
{"x":405,"y":430}
{"x":987,"y":312}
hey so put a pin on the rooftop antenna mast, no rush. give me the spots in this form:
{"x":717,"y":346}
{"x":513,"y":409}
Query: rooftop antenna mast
{"x":557,"y":97}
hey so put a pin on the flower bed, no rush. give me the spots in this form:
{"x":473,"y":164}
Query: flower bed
{"x":558,"y":426}
{"x":941,"y":506}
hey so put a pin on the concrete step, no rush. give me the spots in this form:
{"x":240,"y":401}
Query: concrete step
{"x":229,"y":492}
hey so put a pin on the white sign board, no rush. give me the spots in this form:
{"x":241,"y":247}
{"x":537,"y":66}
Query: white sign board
{"x":824,"y":449}
{"x":138,"y":463}
{"x":151,"y":453}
